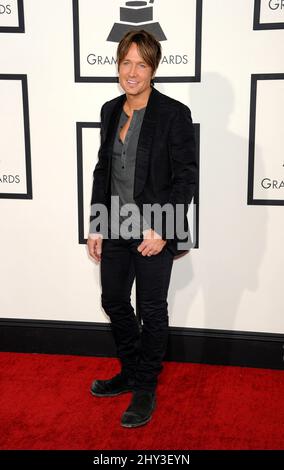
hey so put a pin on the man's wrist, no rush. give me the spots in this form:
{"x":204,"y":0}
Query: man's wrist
{"x":149,"y":232}
{"x":95,"y":236}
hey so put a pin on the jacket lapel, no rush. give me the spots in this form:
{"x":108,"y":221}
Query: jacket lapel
{"x":144,"y":142}
{"x":110,"y":136}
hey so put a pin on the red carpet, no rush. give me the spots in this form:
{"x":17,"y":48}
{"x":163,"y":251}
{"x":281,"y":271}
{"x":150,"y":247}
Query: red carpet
{"x":46,"y":404}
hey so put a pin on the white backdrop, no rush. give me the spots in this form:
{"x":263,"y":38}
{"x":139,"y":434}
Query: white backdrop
{"x":234,"y":280}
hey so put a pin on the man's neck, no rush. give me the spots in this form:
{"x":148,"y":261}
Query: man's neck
{"x":136,"y":102}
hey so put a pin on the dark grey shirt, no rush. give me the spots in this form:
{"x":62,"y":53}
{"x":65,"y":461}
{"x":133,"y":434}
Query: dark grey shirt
{"x":122,"y":174}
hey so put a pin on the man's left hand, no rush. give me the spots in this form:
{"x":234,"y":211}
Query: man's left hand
{"x":152,"y":243}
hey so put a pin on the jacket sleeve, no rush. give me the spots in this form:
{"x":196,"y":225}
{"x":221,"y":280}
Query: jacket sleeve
{"x":99,"y":175}
{"x":182,"y":151}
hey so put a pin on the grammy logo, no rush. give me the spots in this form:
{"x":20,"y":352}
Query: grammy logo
{"x":136,"y":15}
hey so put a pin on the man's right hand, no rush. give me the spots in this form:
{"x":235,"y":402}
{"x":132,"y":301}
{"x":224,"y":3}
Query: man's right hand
{"x":95,"y":241}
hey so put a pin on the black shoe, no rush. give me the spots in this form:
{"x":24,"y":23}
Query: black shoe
{"x":111,"y":387}
{"x":140,"y":409}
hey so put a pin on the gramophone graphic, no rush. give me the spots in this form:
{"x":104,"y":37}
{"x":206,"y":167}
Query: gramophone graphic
{"x":136,"y":15}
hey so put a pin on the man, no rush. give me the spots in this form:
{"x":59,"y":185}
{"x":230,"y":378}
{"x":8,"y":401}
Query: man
{"x":147,"y":156}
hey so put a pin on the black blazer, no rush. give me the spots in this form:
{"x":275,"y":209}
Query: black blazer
{"x":166,"y":166}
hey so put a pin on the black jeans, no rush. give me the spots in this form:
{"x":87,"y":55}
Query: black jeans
{"x":140,"y":350}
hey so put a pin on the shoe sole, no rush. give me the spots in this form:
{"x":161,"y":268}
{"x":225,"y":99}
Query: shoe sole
{"x":96,"y":394}
{"x":136,"y":425}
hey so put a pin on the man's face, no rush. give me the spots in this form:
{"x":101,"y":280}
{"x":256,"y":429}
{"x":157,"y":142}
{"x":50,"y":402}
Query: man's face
{"x":134,"y":74}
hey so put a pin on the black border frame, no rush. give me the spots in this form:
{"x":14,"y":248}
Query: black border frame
{"x":21,"y":20}
{"x":256,"y":19}
{"x":24,"y":80}
{"x":175,"y":79}
{"x":253,"y":102}
{"x":80,"y":178}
